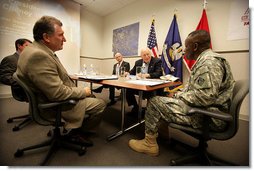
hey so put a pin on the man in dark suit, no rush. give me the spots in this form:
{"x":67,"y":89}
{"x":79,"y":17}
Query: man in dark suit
{"x":116,"y":69}
{"x":152,"y":69}
{"x":9,"y":65}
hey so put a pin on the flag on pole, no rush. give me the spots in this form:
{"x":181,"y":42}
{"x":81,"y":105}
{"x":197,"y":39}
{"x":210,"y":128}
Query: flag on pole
{"x":202,"y":25}
{"x":152,"y":41}
{"x":172,"y":52}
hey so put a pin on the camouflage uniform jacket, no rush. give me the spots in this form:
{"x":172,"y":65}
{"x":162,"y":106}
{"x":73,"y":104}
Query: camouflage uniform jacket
{"x":210,"y":85}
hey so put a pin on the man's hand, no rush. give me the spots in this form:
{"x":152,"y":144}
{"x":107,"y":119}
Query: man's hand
{"x":87,"y":91}
{"x":145,"y":75}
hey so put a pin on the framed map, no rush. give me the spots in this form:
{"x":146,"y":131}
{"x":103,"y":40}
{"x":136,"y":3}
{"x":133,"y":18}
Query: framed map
{"x":125,"y":40}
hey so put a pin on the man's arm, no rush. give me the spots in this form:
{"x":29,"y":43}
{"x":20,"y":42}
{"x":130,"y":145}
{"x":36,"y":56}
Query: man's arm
{"x":156,"y":70}
{"x":44,"y":73}
{"x":127,"y":66}
{"x":204,"y":86}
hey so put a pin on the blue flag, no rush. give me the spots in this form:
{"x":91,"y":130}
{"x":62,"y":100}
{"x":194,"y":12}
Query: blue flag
{"x":172,"y":52}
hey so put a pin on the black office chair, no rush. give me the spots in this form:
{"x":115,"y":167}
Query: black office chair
{"x":57,"y":140}
{"x":203,"y":135}
{"x":19,"y":95}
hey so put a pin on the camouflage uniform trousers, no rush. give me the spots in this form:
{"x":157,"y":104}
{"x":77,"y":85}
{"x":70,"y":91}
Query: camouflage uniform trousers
{"x":169,"y":109}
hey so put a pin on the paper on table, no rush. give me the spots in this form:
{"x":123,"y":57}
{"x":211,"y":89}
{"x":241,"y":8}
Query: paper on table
{"x":169,"y":78}
{"x":149,"y":82}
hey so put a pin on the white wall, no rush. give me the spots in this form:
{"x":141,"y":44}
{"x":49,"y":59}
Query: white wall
{"x":91,"y":34}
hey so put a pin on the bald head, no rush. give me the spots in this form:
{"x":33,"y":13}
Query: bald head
{"x":118,"y":57}
{"x":201,"y":37}
{"x":196,"y":42}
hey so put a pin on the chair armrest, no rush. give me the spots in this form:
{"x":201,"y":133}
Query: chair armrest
{"x":218,"y":115}
{"x":54,"y":104}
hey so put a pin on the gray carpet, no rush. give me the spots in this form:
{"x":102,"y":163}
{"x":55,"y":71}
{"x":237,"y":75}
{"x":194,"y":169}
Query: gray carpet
{"x":103,"y":153}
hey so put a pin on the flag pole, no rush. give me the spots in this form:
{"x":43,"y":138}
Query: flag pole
{"x":153,"y":17}
{"x":205,"y":4}
{"x":175,"y":12}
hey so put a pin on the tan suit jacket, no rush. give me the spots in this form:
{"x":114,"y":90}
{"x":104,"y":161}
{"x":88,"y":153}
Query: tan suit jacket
{"x":44,"y":73}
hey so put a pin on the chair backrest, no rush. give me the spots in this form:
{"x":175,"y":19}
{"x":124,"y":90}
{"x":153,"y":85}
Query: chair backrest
{"x":33,"y":103}
{"x":18,"y":93}
{"x":241,"y":89}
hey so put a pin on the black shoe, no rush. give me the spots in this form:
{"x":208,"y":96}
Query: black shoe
{"x":134,"y":112}
{"x":98,"y":90}
{"x":78,"y":139}
{"x":112,"y":102}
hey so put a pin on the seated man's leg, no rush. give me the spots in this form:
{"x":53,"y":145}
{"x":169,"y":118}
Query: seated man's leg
{"x":84,"y":116}
{"x":111,"y":95}
{"x":98,"y":89}
{"x":94,"y":109}
{"x":169,"y":109}
{"x":131,"y":100}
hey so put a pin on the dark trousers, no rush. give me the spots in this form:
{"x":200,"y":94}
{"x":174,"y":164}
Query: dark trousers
{"x":130,"y":95}
{"x":112,"y":93}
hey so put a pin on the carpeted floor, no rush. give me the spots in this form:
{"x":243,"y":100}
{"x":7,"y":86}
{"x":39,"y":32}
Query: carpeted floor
{"x":103,"y":153}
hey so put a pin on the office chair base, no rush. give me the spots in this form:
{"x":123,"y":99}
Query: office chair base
{"x":27,"y":120}
{"x":57,"y":141}
{"x":200,"y":156}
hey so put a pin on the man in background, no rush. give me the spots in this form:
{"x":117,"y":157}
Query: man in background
{"x":116,"y":69}
{"x":210,"y":86}
{"x":9,"y":65}
{"x":43,"y":72}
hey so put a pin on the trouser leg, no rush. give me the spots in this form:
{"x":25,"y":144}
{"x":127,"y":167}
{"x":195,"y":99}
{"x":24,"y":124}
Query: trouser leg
{"x":130,"y":97}
{"x":169,"y":109}
{"x":112,"y":93}
{"x":94,"y":109}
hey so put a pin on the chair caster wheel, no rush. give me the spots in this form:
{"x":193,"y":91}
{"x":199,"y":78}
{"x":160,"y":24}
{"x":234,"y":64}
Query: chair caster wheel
{"x":82,"y":151}
{"x":19,"y":153}
{"x":9,"y":120}
{"x":15,"y":128}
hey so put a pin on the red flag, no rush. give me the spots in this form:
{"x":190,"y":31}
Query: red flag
{"x":202,"y":25}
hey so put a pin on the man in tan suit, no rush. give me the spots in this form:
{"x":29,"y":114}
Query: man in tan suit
{"x":41,"y":69}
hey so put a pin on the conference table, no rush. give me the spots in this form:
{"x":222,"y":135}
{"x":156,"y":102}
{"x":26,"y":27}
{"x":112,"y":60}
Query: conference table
{"x":144,"y":85}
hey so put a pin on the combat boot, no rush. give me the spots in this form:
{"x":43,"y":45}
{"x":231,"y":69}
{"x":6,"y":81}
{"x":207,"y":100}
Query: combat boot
{"x":148,"y":145}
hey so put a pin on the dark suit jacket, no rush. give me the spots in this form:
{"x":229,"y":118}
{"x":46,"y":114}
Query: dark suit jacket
{"x":124,"y":64}
{"x":7,"y":67}
{"x":154,"y":68}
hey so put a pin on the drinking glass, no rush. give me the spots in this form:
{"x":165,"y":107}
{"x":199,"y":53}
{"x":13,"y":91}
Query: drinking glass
{"x":138,"y":72}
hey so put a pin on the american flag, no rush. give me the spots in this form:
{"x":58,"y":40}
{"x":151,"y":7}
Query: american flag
{"x":152,"y":41}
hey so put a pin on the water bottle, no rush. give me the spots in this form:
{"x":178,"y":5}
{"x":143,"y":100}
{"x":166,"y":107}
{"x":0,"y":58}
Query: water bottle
{"x":84,"y":70}
{"x":92,"y":70}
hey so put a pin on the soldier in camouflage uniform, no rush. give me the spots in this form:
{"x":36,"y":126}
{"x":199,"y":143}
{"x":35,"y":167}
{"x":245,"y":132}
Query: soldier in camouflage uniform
{"x":210,"y":85}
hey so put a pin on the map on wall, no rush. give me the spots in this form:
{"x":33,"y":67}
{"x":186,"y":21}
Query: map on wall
{"x":125,"y":40}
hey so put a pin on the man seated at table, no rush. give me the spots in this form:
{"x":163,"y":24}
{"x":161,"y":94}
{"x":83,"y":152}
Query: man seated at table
{"x":120,"y":63}
{"x":152,"y":69}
